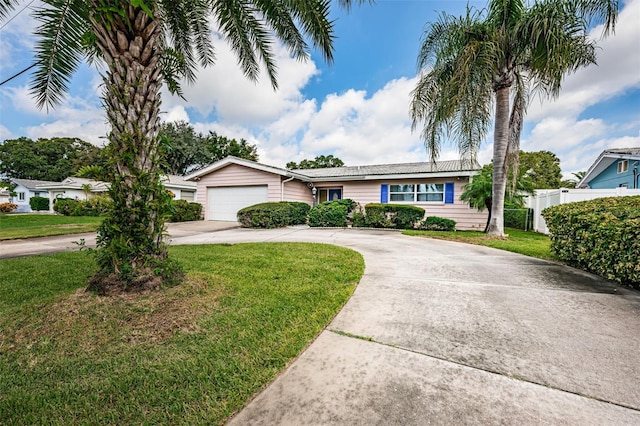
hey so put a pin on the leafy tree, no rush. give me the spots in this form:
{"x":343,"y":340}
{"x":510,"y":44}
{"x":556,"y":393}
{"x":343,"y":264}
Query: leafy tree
{"x":142,"y":45}
{"x":479,"y":192}
{"x":45,"y":159}
{"x":320,"y":162}
{"x":498,"y":57}
{"x":185,"y":150}
{"x":572,"y":182}
{"x":220,"y":147}
{"x":542,"y":168}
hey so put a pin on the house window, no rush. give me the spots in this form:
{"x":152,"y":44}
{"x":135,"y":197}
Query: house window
{"x":187,"y":196}
{"x":20,"y":196}
{"x":623,"y":166}
{"x":421,"y":192}
{"x":623,"y":185}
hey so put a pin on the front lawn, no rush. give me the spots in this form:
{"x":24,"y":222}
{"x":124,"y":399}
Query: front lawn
{"x":192,"y":354}
{"x":14,"y":226}
{"x":518,"y":241}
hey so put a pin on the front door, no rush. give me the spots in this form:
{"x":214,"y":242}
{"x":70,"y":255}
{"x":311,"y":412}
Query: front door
{"x":335,"y":194}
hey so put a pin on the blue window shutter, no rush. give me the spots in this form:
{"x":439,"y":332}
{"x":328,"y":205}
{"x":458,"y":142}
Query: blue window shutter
{"x":448,"y":193}
{"x":384,"y":194}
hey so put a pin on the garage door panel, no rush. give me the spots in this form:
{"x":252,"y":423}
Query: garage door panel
{"x":224,"y":202}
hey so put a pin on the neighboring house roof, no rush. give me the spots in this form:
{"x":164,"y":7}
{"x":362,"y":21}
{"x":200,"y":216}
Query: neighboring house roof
{"x":77,"y":183}
{"x":175,"y":181}
{"x":31,"y":184}
{"x":378,"y":171}
{"x":605,"y":159}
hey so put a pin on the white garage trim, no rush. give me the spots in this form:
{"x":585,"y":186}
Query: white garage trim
{"x":225,"y":201}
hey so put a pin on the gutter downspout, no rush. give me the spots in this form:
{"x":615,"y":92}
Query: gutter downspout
{"x":282,"y":187}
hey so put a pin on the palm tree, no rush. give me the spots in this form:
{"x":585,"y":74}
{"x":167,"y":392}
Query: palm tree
{"x":497,"y":58}
{"x":142,"y":45}
{"x":479,"y":192}
{"x":86,"y":189}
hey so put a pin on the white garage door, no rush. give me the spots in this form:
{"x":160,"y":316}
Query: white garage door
{"x":224,"y":202}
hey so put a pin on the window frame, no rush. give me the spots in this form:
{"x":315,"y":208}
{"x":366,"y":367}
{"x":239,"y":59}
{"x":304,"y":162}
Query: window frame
{"x":22,"y":196}
{"x":415,"y":192}
{"x":623,"y":166}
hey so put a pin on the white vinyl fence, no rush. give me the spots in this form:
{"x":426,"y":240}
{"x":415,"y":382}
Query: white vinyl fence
{"x":544,"y":198}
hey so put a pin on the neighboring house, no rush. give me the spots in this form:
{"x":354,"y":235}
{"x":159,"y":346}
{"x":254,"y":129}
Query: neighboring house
{"x":181,"y":188}
{"x":231,"y":184}
{"x":614,"y":168}
{"x":24,"y":190}
{"x":74,"y":187}
{"x":4,"y":195}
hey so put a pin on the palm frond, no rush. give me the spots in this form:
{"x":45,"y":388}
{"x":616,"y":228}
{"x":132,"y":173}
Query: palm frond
{"x":59,"y":48}
{"x":6,"y":7}
{"x":604,"y":11}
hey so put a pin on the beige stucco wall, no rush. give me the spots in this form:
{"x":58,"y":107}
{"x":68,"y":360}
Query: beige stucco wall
{"x":297,"y":191}
{"x":369,"y":192}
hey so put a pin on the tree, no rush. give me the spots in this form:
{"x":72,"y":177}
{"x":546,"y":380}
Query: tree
{"x":185,"y":150}
{"x":86,"y":190}
{"x":542,"y":168}
{"x":479,"y":192}
{"x":320,"y":162}
{"x":143,"y":44}
{"x":45,"y":159}
{"x":499,"y":57}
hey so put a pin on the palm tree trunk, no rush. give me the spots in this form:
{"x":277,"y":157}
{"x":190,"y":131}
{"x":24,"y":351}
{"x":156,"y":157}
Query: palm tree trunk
{"x":500,"y":147}
{"x":130,"y":239}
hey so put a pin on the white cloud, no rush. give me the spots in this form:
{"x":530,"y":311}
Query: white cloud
{"x":5,"y":133}
{"x":617,"y":71}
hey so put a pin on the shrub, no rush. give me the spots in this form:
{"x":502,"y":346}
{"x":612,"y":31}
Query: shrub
{"x":184,"y":211}
{"x":65,"y":206}
{"x":600,"y":236}
{"x":94,"y":206}
{"x":7,"y":207}
{"x":435,"y":223}
{"x":399,"y":216}
{"x":39,"y":203}
{"x":518,"y":217}
{"x":273,"y":215}
{"x":329,"y":213}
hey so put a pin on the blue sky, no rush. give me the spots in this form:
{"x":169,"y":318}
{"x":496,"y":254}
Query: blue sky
{"x":357,"y":108}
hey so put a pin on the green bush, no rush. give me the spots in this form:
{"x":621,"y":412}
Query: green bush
{"x":398,"y":216}
{"x":328,"y":214}
{"x":7,"y":207}
{"x":435,"y":223}
{"x":65,"y":206}
{"x":518,"y":218}
{"x":600,"y":236}
{"x":273,"y":215}
{"x":39,"y":203}
{"x":94,"y":206}
{"x":184,"y":211}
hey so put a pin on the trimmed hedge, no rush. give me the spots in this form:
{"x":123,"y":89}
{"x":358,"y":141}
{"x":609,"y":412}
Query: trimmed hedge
{"x":398,"y":216}
{"x":39,"y":203}
{"x":600,"y":236}
{"x":274,"y":214}
{"x":435,"y":223}
{"x":328,"y":214}
{"x":184,"y":211}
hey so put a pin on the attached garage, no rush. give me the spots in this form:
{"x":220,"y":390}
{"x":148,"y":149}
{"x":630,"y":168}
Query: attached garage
{"x":224,"y":202}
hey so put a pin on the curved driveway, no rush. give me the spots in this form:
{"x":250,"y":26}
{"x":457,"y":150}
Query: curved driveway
{"x":447,"y":333}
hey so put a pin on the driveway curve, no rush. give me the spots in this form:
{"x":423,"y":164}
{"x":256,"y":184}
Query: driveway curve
{"x":440,"y":332}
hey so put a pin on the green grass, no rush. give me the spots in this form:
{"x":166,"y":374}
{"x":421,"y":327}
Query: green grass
{"x":191,"y":354}
{"x":523,"y":242}
{"x":14,"y":226}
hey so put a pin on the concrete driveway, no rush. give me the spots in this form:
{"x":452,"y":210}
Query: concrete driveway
{"x":446,"y":333}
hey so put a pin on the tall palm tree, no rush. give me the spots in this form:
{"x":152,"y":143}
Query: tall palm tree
{"x":143,"y":44}
{"x":496,"y":58}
